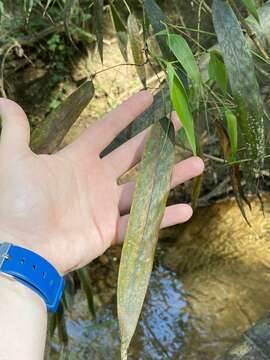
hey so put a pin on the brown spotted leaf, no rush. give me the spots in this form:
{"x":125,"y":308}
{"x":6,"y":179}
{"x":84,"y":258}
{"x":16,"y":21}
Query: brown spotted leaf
{"x":149,"y":202}
{"x":120,"y":30}
{"x":52,"y":130}
{"x":136,"y":47}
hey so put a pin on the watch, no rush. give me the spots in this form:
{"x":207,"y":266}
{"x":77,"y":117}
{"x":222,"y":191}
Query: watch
{"x":34,"y":272}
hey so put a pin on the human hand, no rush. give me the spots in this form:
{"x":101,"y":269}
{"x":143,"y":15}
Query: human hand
{"x":68,"y":206}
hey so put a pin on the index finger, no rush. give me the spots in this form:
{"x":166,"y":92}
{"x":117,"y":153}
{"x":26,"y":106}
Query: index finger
{"x":106,"y":129}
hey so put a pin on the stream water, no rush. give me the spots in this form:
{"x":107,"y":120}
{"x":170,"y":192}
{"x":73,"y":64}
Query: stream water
{"x":208,"y":286}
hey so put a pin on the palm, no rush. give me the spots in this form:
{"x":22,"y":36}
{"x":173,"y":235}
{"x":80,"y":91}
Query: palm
{"x":68,"y":206}
{"x":79,"y":212}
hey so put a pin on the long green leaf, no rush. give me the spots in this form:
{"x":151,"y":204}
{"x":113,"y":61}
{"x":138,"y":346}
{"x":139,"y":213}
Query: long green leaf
{"x":120,"y":30}
{"x":184,"y":55}
{"x":232,"y":132}
{"x":180,"y":103}
{"x":136,"y":47}
{"x":148,"y":206}
{"x":98,"y":25}
{"x":251,"y":6}
{"x":52,"y":130}
{"x":217,"y":70}
{"x":243,"y":82}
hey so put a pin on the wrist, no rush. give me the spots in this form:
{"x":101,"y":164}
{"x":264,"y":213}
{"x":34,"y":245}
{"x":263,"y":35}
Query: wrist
{"x":13,"y":292}
{"x":23,"y":322}
{"x":34,"y":272}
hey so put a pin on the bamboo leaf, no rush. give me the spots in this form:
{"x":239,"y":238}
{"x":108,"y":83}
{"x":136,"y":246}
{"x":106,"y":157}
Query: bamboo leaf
{"x":157,"y":19}
{"x":120,"y":30}
{"x":84,"y":277}
{"x":184,"y":55}
{"x":251,"y":6}
{"x":149,"y":201}
{"x":235,"y":174}
{"x":70,"y":291}
{"x":243,"y":82}
{"x":136,"y":47}
{"x":223,"y":139}
{"x":180,"y":103}
{"x":98,"y":25}
{"x":217,"y":70}
{"x":28,"y":7}
{"x":232,"y":132}
{"x":52,"y":130}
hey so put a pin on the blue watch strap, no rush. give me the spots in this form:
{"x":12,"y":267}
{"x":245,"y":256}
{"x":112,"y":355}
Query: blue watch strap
{"x":33,"y":271}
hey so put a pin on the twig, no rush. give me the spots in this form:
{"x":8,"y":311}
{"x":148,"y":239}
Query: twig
{"x":2,"y":87}
{"x":117,"y":65}
{"x":199,"y":22}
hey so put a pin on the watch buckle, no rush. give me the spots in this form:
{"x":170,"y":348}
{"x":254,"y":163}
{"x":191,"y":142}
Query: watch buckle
{"x":4,"y":249}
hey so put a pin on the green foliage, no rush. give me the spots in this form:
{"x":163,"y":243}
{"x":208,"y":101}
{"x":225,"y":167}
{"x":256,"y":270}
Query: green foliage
{"x":180,"y":102}
{"x":232,"y":132}
{"x":56,"y":43}
{"x":251,"y":6}
{"x":184,"y":55}
{"x":217,"y":71}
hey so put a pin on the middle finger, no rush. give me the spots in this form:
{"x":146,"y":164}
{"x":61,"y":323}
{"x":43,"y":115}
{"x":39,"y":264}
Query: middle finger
{"x":183,"y":171}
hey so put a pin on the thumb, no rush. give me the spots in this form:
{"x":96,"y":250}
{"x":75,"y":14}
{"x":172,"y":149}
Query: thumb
{"x":15,"y":134}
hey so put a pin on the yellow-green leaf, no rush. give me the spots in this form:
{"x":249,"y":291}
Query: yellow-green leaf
{"x":217,"y":70}
{"x":232,"y":132}
{"x":180,"y":103}
{"x":148,"y":206}
{"x":136,"y":47}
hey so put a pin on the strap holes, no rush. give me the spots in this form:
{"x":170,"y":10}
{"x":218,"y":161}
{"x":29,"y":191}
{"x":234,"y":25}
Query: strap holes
{"x":34,"y":267}
{"x":44,"y":274}
{"x":22,"y":261}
